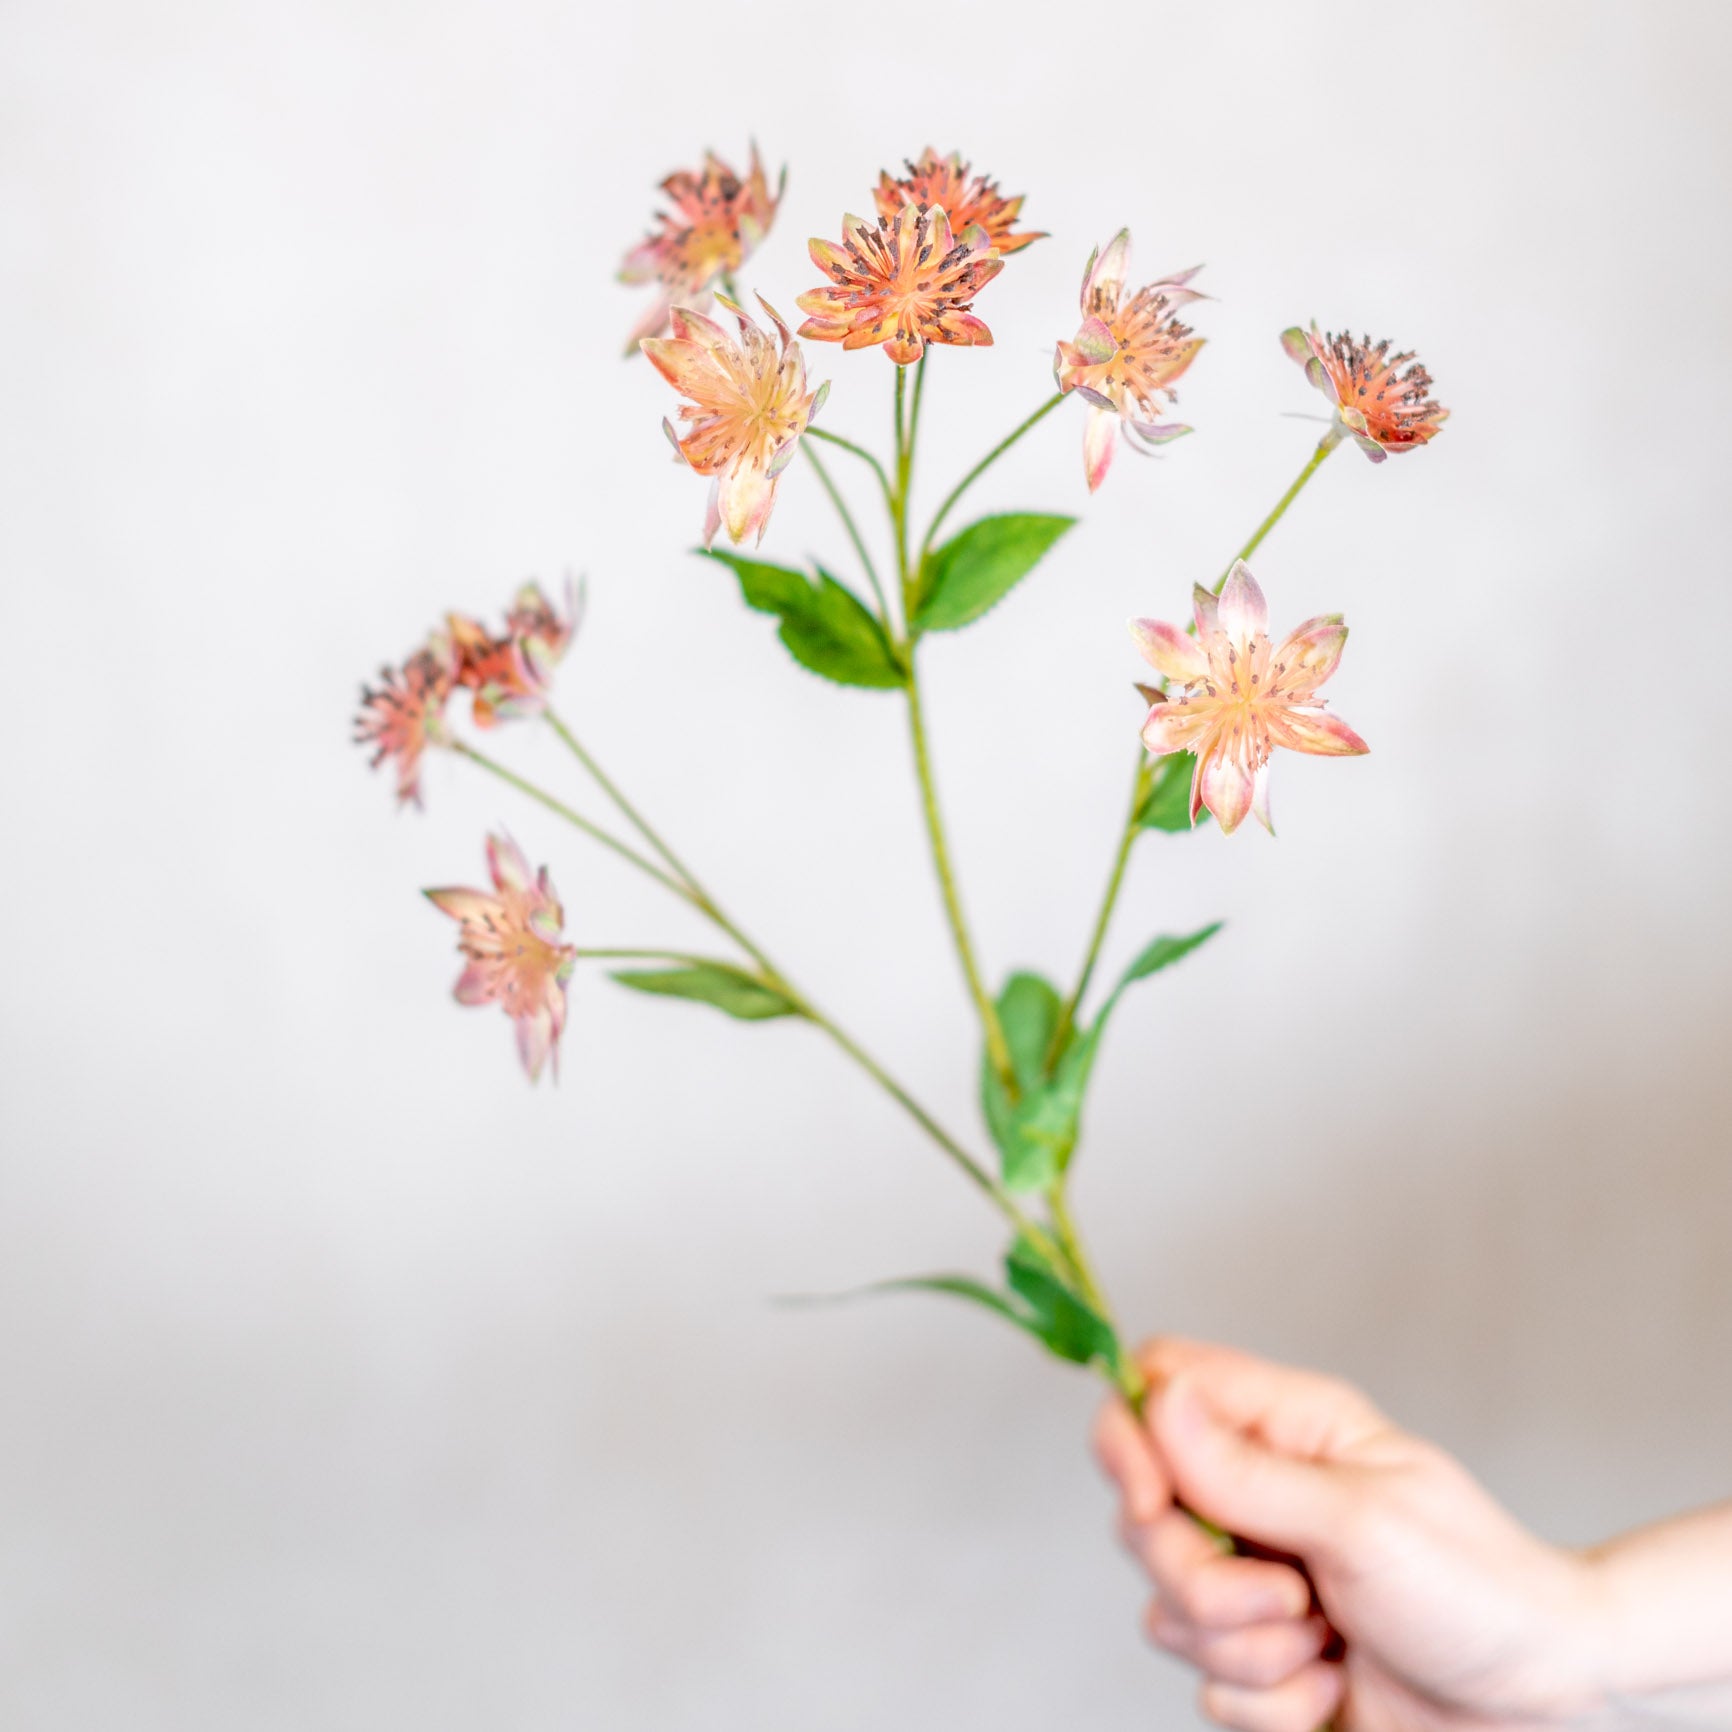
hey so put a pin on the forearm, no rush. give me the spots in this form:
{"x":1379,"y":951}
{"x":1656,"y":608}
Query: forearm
{"x":1662,"y":1637}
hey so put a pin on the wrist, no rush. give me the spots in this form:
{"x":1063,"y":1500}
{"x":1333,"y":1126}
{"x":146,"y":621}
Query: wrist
{"x":1654,"y":1637}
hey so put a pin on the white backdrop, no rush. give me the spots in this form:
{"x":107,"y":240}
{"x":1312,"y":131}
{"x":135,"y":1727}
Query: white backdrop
{"x":350,"y":1383}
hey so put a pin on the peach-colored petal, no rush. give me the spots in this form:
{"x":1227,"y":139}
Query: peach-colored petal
{"x":1323,"y":734}
{"x":748,"y":405}
{"x":716,"y":221}
{"x":1172,"y":728}
{"x":510,"y":943}
{"x":1232,"y":700}
{"x":1172,"y":652}
{"x":1127,"y":355}
{"x":1312,"y":653}
{"x":902,"y":282}
{"x":1226,"y":791}
{"x":971,"y":201}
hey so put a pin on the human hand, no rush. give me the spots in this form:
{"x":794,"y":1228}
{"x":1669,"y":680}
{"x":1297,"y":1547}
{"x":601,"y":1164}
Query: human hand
{"x":1454,"y":1617}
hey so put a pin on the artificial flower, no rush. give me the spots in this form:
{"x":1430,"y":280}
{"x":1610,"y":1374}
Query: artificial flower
{"x":748,"y":407}
{"x":513,"y":957}
{"x":717,"y":221}
{"x":1237,"y":699}
{"x":509,"y":674}
{"x":904,"y":281}
{"x":1126,"y":356}
{"x":967,"y":198}
{"x":406,"y":714}
{"x":1383,"y":408}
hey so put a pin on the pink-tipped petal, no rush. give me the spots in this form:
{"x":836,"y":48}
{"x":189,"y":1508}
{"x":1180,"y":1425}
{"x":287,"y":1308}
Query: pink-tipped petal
{"x":1312,"y":653}
{"x":1243,"y":611}
{"x":1297,"y":344}
{"x":507,"y":863}
{"x":1226,"y":790}
{"x":1321,"y":733}
{"x":461,"y":904}
{"x":1174,"y":728}
{"x":1100,"y":436}
{"x":1105,"y":281}
{"x":1174,"y":653}
{"x":1206,"y":609}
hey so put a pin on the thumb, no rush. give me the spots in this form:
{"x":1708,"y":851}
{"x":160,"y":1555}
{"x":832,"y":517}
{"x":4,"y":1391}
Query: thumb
{"x":1239,"y":1482}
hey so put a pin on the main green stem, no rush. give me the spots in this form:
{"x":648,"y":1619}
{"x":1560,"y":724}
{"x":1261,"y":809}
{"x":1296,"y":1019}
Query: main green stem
{"x":997,"y":1049}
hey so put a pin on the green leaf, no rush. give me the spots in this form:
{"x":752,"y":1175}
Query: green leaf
{"x":1028,"y":1137}
{"x":1168,"y":804}
{"x":1161,"y":953}
{"x":824,"y":625}
{"x":740,"y":993}
{"x":1061,"y":1317}
{"x":1038,"y":1303}
{"x":1038,"y":1135}
{"x":978,"y":567}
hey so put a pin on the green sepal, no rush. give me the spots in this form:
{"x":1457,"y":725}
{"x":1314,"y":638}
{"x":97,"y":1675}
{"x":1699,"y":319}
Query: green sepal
{"x":978,"y":567}
{"x":824,"y":625}
{"x":737,"y":991}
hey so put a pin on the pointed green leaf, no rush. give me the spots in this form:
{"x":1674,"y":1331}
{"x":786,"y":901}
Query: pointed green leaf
{"x":1038,"y":1304}
{"x":824,"y":625}
{"x":1168,"y":803}
{"x":1029,"y":1139}
{"x":740,"y":993}
{"x":1038,"y":1135}
{"x":1060,"y":1316}
{"x":979,"y":566}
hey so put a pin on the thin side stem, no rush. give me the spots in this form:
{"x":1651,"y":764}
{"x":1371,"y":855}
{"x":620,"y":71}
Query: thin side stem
{"x":854,"y":535}
{"x":589,"y":828}
{"x":853,"y":450}
{"x":585,"y":954}
{"x":1324,"y":446}
{"x":693,"y":893}
{"x":1132,"y":830}
{"x":1127,"y":840}
{"x":981,"y":468}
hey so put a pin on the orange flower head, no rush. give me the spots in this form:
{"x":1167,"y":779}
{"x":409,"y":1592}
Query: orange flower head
{"x":407,"y":714}
{"x":946,"y":181}
{"x":718,"y":219}
{"x":1126,"y":357}
{"x":511,"y":950}
{"x":904,"y":281}
{"x":1384,"y":408}
{"x":748,"y":407}
{"x":1234,"y":697}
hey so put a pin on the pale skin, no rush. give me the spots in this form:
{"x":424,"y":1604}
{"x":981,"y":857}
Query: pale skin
{"x":1423,"y":1605}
